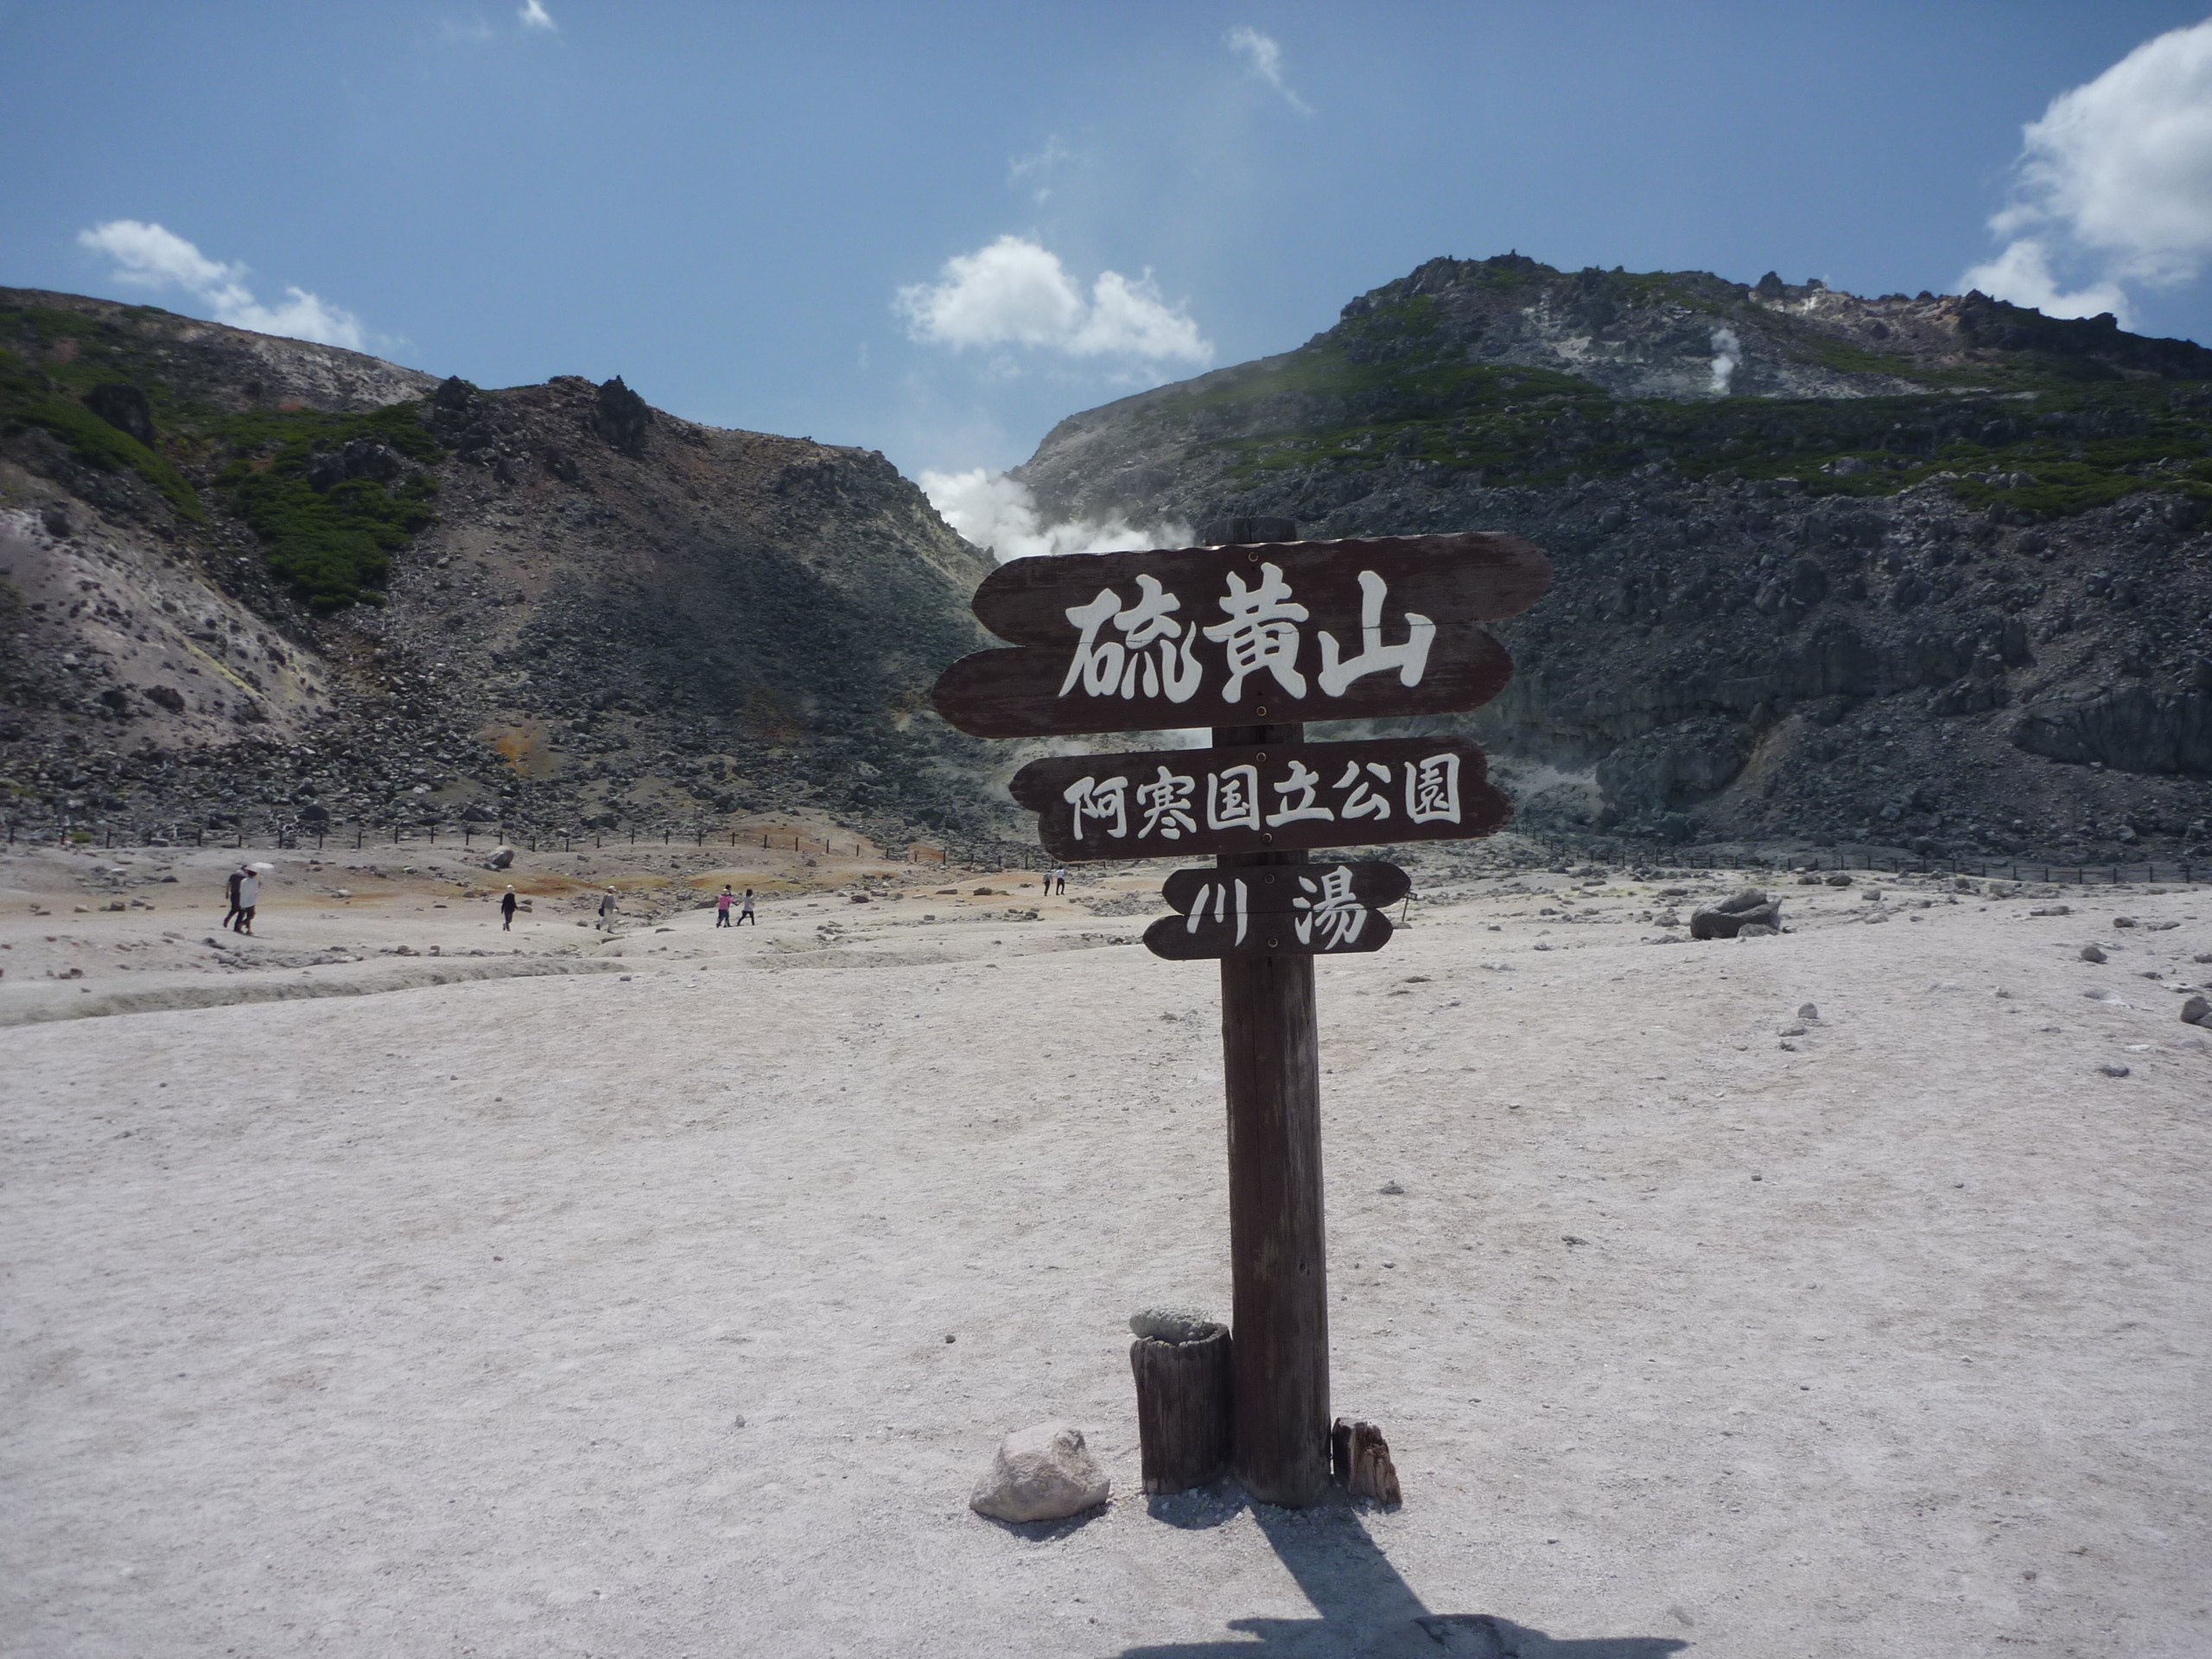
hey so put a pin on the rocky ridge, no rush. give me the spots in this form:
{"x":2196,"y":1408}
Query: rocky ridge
{"x":1926,"y":572}
{"x":332,"y":589}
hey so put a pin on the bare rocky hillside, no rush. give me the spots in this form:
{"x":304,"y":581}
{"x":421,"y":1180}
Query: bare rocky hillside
{"x":1929,"y":572}
{"x":243,"y":577}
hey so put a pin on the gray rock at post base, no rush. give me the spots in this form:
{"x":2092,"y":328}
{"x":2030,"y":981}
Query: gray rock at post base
{"x":501,"y":857}
{"x":1041,"y":1473}
{"x":2197,"y":1011}
{"x":1174,"y":1324}
{"x":2091,"y":953}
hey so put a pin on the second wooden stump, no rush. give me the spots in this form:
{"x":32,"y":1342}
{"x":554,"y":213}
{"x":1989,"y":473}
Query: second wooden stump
{"x":1182,"y":1409}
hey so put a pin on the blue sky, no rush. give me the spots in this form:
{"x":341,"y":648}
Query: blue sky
{"x":936,"y":230}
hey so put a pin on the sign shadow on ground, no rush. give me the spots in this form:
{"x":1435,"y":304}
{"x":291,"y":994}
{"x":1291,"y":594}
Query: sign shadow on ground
{"x":1366,"y":1610}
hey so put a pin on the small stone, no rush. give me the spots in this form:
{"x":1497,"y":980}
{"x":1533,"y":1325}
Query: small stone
{"x":1839,"y":879}
{"x":2123,"y":921}
{"x":2113,"y":1070}
{"x":1793,"y":1030}
{"x":2052,"y":910}
{"x":1167,"y":1324}
{"x":1807,"y":1011}
{"x":2197,"y":1011}
{"x":2091,"y":953}
{"x":1041,"y":1473}
{"x":1757,"y":930}
{"x":1392,"y":1189}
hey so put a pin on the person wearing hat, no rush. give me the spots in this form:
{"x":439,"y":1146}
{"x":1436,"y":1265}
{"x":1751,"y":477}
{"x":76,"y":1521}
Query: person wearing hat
{"x":249,"y":895}
{"x":723,"y":900}
{"x":607,"y":911}
{"x":507,"y":910}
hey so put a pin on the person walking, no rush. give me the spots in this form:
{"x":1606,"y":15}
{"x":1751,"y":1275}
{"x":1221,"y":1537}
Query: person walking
{"x":231,"y":892}
{"x":1060,"y":879}
{"x":249,"y":896}
{"x":723,"y":900}
{"x":744,"y":910}
{"x":507,"y":911}
{"x":605,"y":913}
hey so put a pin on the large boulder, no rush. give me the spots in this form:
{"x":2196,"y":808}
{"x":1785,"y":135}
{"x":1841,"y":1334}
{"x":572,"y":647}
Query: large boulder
{"x":1041,"y":1473}
{"x":1729,"y":917}
{"x":500,"y":859}
{"x":124,"y":407}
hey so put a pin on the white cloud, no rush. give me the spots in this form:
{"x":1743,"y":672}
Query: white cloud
{"x":152,"y":257}
{"x":998,"y":513}
{"x":534,"y":15}
{"x":1017,"y":292}
{"x":2022,"y":274}
{"x":2115,"y":180}
{"x":1263,"y":54}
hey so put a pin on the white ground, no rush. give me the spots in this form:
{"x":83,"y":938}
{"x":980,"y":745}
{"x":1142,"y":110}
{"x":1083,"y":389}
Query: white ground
{"x":608,"y":1315}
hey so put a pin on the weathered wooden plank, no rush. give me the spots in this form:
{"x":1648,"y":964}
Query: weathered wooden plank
{"x":1296,"y":910}
{"x":1174,"y":940}
{"x":1275,"y":892}
{"x":1222,"y":636}
{"x":1261,"y":797}
{"x":1473,"y":576}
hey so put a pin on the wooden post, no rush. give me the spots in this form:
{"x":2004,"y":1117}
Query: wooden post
{"x":1279,"y":1359}
{"x":1183,"y":1410}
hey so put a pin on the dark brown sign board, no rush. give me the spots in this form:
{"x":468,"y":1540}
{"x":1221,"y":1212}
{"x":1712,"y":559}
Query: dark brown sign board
{"x":1270,"y":632}
{"x":1254,"y":638}
{"x":1287,"y":910}
{"x":1263,"y":798}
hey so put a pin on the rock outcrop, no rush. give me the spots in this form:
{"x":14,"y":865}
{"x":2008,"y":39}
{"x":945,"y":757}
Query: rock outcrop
{"x":333,"y":588}
{"x":1925,"y":572}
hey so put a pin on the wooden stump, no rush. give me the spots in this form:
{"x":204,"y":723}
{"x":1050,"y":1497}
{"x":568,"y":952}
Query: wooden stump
{"x":1359,"y":1458}
{"x":1183,"y":1414}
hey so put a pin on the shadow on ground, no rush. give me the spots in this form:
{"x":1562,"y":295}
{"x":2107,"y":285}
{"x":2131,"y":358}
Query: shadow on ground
{"x":1367,"y":1611}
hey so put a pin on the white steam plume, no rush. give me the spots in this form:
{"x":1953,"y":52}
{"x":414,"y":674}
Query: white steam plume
{"x":1728,"y":357}
{"x":998,"y":513}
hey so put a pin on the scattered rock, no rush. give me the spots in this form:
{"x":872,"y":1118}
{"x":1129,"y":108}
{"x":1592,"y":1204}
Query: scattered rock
{"x":2197,"y":1011}
{"x":500,"y":859}
{"x":1391,"y":1189}
{"x":2113,"y":1070}
{"x":1806,"y":1011}
{"x":1041,"y":1473}
{"x":1839,"y":879}
{"x":1757,"y":930}
{"x":1793,"y":1030}
{"x":2052,"y":910}
{"x":2091,"y":953}
{"x":2123,"y":921}
{"x":1168,"y":1324}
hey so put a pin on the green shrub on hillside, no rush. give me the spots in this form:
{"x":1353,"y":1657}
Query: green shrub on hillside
{"x":25,"y":402}
{"x":334,"y":545}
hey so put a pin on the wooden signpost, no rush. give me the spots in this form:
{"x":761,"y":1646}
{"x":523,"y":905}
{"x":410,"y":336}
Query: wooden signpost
{"x":1253,"y":634}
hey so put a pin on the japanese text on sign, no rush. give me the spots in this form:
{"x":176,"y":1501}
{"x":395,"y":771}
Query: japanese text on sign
{"x":1158,"y":652}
